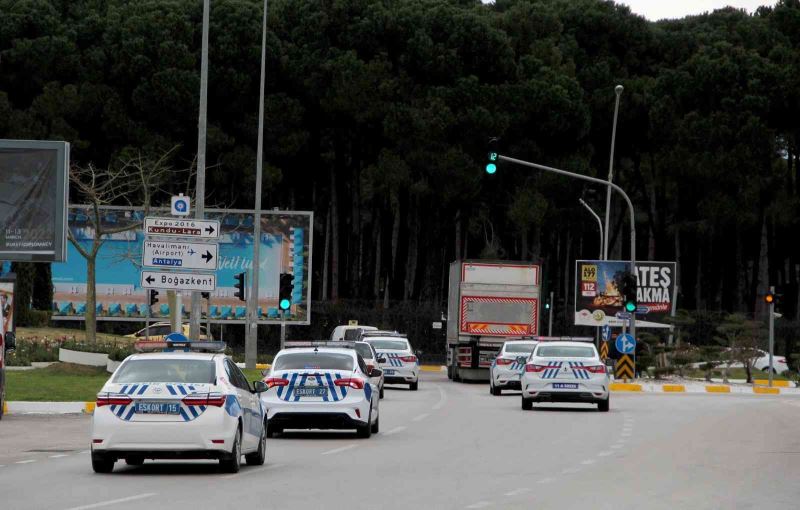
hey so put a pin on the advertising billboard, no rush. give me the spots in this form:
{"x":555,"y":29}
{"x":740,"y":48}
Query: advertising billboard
{"x":286,"y":244}
{"x":33,"y":196}
{"x":598,"y":301}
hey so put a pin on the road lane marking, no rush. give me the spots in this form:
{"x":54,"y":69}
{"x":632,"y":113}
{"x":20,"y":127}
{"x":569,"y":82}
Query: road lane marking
{"x":617,"y":446}
{"x":604,"y":454}
{"x":114,"y":501}
{"x":58,"y":456}
{"x":252,"y":471}
{"x":442,"y":399}
{"x":395,"y":430}
{"x":25,"y":461}
{"x":588,"y":462}
{"x":421,"y":417}
{"x":339,"y":450}
{"x":479,"y":504}
{"x":546,"y":480}
{"x":570,"y":471}
{"x":517,"y":492}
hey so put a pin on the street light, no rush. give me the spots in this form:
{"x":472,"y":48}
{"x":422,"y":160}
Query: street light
{"x":599,"y":223}
{"x":618,"y":91}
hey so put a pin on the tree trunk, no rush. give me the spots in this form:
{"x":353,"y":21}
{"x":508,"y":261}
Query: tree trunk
{"x":377,"y":238}
{"x":326,"y":256}
{"x":91,"y":298}
{"x":761,"y":272}
{"x":395,"y":236}
{"x":458,"y":235}
{"x":413,"y":251}
{"x":334,"y":238}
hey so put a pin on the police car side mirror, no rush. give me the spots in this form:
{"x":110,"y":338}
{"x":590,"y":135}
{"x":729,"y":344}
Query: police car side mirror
{"x":376,"y":372}
{"x":259,"y":387}
{"x":381,"y":359}
{"x":10,"y":341}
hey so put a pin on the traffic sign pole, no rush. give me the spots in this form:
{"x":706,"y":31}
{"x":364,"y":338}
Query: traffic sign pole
{"x":771,"y":334}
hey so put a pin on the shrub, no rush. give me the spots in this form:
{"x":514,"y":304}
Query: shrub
{"x":120,"y":352}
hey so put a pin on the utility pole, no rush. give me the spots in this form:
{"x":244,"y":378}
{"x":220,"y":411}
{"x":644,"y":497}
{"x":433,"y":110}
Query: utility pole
{"x":596,"y":181}
{"x":771,"y":333}
{"x":200,"y":195}
{"x":550,"y":321}
{"x":251,"y":336}
{"x":618,"y":91}
{"x":600,"y":225}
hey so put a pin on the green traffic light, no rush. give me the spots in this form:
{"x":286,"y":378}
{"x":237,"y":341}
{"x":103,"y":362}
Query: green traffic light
{"x":630,"y":306}
{"x":491,"y":168}
{"x":285,"y":304}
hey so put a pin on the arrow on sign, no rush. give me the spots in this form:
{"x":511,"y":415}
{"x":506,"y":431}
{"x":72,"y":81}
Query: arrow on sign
{"x":210,"y":229}
{"x":149,"y":279}
{"x":207,"y":256}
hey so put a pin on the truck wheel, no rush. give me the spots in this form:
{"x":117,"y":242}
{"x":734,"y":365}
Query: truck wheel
{"x":527,"y":404}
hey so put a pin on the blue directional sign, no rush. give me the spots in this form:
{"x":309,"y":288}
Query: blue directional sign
{"x":176,"y":337}
{"x":606,"y":333}
{"x":625,"y":344}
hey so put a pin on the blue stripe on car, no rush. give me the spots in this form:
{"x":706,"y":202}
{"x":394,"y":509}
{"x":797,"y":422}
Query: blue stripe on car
{"x":171,"y":390}
{"x":332,"y":387}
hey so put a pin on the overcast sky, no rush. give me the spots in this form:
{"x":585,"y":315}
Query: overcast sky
{"x":659,"y":9}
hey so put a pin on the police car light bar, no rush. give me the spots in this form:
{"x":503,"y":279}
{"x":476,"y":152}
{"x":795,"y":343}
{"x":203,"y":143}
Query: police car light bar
{"x":382,"y":333}
{"x":184,"y":346}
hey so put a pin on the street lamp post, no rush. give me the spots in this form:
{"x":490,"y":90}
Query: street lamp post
{"x":618,"y":91}
{"x":599,"y":223}
{"x":596,"y":181}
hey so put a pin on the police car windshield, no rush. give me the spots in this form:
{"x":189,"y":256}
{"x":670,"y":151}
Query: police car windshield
{"x":313,"y":360}
{"x":364,"y":350}
{"x":565,"y":351}
{"x":198,"y":371}
{"x":392,"y":345}
{"x":523,"y":348}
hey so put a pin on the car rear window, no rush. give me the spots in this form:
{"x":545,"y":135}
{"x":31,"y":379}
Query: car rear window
{"x":199,"y":371}
{"x":522,"y":348}
{"x":313,"y":360}
{"x":364,"y":350}
{"x":565,"y":351}
{"x":390,"y":345}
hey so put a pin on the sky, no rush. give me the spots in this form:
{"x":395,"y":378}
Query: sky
{"x":659,"y":9}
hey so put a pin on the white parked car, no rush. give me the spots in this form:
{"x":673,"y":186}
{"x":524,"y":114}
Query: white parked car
{"x":321,"y":388}
{"x":396,"y":359}
{"x":779,"y":364}
{"x":178,"y":405}
{"x":507,"y":367}
{"x":565,"y":372}
{"x":349,"y":333}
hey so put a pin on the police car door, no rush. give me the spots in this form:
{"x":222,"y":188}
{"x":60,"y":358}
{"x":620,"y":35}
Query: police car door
{"x":251,"y":406}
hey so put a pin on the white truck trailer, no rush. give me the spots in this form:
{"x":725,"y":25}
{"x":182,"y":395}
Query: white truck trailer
{"x":488,"y":303}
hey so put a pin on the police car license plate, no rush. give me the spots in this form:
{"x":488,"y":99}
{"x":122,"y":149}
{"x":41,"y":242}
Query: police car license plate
{"x":388,"y":371}
{"x":565,"y":386}
{"x":157,"y":408}
{"x":310,"y":391}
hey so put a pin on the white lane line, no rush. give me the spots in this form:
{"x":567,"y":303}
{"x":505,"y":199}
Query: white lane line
{"x":58,"y":456}
{"x":546,"y":480}
{"x":114,"y":501}
{"x":442,"y":399}
{"x":626,"y":434}
{"x":85,"y":451}
{"x":339,"y":450}
{"x":25,"y":461}
{"x":517,"y":492}
{"x":421,"y":417}
{"x":395,"y":430}
{"x":588,"y":462}
{"x":570,"y":471}
{"x":479,"y":504}
{"x":252,"y":471}
{"x":604,"y":454}
{"x":617,"y":446}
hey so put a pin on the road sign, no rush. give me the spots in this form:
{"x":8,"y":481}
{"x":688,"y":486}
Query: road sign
{"x":175,"y":227}
{"x":178,"y":281}
{"x":603,"y":350}
{"x":606,"y":332}
{"x":625,"y":368}
{"x":437,"y":325}
{"x":180,"y":205}
{"x":180,"y":255}
{"x":352,"y":322}
{"x":623,"y":315}
{"x":625,"y":344}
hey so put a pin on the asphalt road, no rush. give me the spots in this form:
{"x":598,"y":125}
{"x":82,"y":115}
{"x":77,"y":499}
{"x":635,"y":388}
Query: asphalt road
{"x":454,"y":446}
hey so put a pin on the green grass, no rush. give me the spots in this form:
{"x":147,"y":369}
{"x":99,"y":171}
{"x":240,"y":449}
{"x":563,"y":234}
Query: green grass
{"x":78,"y":334}
{"x":733,"y":373}
{"x":61,"y":382}
{"x":252,"y":375}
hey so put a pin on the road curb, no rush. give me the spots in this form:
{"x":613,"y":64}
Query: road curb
{"x":766,"y":390}
{"x":24,"y":407}
{"x":625,"y":387}
{"x":765,"y":382}
{"x":715,"y":388}
{"x":673,"y":388}
{"x":432,"y":368}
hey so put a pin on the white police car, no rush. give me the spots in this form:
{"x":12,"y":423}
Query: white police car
{"x":321,"y":387}
{"x":178,"y":404}
{"x":367,"y":351}
{"x":396,"y":358}
{"x":565,"y":372}
{"x":507,"y":367}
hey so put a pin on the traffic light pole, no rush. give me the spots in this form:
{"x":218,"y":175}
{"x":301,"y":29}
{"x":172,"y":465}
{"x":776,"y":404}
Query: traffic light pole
{"x":771,"y":334}
{"x":283,"y":329}
{"x":602,"y":183}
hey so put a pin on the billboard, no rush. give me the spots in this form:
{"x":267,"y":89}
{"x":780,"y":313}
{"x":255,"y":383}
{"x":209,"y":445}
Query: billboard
{"x":598,"y":302}
{"x":34,"y":184}
{"x":286,"y":244}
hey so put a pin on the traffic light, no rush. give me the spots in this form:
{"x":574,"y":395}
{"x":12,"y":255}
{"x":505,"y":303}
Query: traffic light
{"x":492,"y":156}
{"x":152,"y":297}
{"x":775,"y":299}
{"x":205,"y":295}
{"x":240,"y":278}
{"x":285,"y":291}
{"x":769,"y":298}
{"x":628,"y":290}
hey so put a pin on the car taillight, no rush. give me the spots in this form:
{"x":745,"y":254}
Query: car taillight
{"x":271,"y":382}
{"x":596,"y":369}
{"x":355,"y":383}
{"x":408,"y":359}
{"x":780,"y":360}
{"x":534,"y":368}
{"x":208,"y":399}
{"x":111,"y":399}
{"x":504,"y":361}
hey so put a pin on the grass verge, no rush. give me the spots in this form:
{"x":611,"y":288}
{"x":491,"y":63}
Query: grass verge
{"x":733,"y":373}
{"x":52,"y":333}
{"x":61,"y":382}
